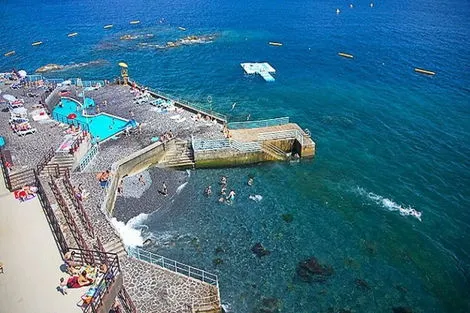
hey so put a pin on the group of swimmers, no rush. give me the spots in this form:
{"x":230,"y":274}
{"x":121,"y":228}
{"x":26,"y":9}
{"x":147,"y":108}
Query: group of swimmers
{"x":224,"y":197}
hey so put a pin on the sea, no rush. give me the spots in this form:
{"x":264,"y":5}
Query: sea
{"x":388,"y":140}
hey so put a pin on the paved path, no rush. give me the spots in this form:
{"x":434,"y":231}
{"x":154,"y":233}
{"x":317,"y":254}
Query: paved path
{"x":31,"y":260}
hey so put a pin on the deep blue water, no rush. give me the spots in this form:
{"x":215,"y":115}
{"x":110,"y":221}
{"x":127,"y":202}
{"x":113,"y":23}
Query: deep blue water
{"x":386,"y":137}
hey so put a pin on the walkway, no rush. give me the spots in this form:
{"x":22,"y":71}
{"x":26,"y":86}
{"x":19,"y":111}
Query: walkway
{"x":31,"y":260}
{"x":251,"y":134}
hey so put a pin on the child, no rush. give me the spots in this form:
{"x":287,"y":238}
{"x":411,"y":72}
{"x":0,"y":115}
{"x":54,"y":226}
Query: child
{"x":63,"y":286}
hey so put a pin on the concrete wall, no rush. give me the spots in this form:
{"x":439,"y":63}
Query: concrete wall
{"x":227,"y":158}
{"x":134,"y":163}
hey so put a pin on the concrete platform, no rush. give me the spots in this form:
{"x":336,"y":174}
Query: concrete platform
{"x":31,"y":260}
{"x":251,"y":134}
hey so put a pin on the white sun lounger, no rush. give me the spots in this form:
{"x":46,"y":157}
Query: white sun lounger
{"x":181,"y":120}
{"x":22,"y":133}
{"x":175,"y":117}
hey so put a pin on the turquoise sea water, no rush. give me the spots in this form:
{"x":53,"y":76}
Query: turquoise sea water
{"x":386,"y":138}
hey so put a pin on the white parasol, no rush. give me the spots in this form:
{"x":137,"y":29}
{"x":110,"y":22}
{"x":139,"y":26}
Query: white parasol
{"x":9,"y":97}
{"x":22,"y":73}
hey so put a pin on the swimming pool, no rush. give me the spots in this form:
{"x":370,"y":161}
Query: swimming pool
{"x":102,"y":125}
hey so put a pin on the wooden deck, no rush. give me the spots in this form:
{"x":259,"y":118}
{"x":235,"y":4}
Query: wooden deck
{"x":251,"y":134}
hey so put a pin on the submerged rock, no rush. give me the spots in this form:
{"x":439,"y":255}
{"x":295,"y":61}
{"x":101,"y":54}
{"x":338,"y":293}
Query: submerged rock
{"x":268,"y":305}
{"x":217,"y":261}
{"x":401,"y":309}
{"x":219,"y":250}
{"x":311,"y":270}
{"x":259,"y":250}
{"x":362,"y":284}
{"x":49,"y":67}
{"x":288,"y":217}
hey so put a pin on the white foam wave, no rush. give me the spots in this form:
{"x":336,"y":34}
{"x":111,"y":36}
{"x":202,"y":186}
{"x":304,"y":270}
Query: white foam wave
{"x":130,"y":233}
{"x":390,"y":204}
{"x":189,"y":173}
{"x":256,"y":198}
{"x":180,"y":188}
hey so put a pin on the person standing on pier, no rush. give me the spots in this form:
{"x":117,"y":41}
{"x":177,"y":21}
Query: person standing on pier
{"x":164,"y":190}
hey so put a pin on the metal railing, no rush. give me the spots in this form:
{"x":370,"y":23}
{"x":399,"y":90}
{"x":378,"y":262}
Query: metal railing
{"x":173,"y":265}
{"x":126,"y":301}
{"x":83,"y":163}
{"x":274,"y":151}
{"x":44,"y":160}
{"x":5,"y":171}
{"x":79,"y":207}
{"x":283,"y":134}
{"x":64,"y":119}
{"x":200,"y":145}
{"x":50,"y":215}
{"x":257,"y":124}
{"x":70,"y":220}
{"x":181,"y":102}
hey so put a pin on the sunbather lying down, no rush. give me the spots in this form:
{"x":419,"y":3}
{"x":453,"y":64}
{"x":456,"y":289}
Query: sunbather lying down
{"x":79,"y":281}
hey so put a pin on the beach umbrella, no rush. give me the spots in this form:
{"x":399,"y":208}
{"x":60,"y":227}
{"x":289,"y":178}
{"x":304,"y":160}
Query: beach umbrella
{"x":72,"y":116}
{"x":22,"y":73}
{"x":9,"y":97}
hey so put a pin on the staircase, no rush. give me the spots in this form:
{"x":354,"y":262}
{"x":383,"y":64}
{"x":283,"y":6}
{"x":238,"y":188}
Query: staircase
{"x":179,"y":155}
{"x":273,"y":151}
{"x":115,"y":246}
{"x":206,"y":305}
{"x":62,"y":161}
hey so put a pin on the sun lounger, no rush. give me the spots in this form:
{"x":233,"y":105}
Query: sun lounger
{"x":175,"y":117}
{"x":181,"y":120}
{"x":22,"y":133}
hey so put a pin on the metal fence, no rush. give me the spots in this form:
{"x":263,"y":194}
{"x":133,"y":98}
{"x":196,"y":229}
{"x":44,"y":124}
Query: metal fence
{"x":257,"y":124}
{"x":174,"y":266}
{"x":64,"y":119}
{"x":200,"y":145}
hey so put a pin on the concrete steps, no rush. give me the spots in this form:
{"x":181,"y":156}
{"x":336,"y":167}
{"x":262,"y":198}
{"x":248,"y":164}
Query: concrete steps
{"x":180,"y":155}
{"x":115,"y":246}
{"x":273,"y":151}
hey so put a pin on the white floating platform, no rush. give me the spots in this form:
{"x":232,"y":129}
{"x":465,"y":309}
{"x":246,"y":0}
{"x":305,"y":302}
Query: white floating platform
{"x":263,"y":69}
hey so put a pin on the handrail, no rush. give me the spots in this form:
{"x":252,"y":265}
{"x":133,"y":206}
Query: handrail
{"x":85,"y":160}
{"x":126,"y":301}
{"x":283,"y":134}
{"x":45,"y":159}
{"x":260,"y":123}
{"x":70,"y":220}
{"x":216,"y":144}
{"x":50,"y":215}
{"x":79,"y":207}
{"x":174,"y":266}
{"x":5,"y":171}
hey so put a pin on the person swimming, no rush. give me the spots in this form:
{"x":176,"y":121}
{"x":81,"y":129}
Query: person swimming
{"x":250,"y":181}
{"x":223,"y":180}
{"x":208,"y":191}
{"x":231,"y":196}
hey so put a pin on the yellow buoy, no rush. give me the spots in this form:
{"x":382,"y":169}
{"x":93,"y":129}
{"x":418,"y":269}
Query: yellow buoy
{"x":37,"y":43}
{"x":108,"y":26}
{"x":422,"y":71}
{"x":134,"y":22}
{"x":273,"y":43}
{"x":345,"y":55}
{"x":182,"y":28}
{"x":72,"y":34}
{"x":122,"y":64}
{"x":9,"y":53}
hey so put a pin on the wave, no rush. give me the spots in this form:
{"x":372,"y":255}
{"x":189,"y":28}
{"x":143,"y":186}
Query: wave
{"x":180,"y":188}
{"x":390,"y":204}
{"x":130,"y":232}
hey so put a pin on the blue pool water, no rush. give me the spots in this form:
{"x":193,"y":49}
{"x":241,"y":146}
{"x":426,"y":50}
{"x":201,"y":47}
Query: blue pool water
{"x":386,"y":137}
{"x":101,"y":125}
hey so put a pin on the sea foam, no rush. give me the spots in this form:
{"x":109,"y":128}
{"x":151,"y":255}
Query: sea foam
{"x":130,"y":232}
{"x":390,"y":204}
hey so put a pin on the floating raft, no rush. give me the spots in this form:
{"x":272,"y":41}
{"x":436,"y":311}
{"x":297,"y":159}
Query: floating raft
{"x":108,"y":26}
{"x":37,"y":43}
{"x":9,"y":53}
{"x":345,"y":55}
{"x":277,"y":44}
{"x":182,"y":28}
{"x":72,"y":34}
{"x":263,"y":69}
{"x":423,"y":71}
{"x":134,"y":22}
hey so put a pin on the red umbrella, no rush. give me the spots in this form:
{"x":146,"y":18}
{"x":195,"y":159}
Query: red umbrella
{"x":71,"y":116}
